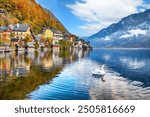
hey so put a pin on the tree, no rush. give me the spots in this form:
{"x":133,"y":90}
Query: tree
{"x":65,"y":44}
{"x":36,"y":44}
{"x":28,"y":38}
{"x":28,"y":11}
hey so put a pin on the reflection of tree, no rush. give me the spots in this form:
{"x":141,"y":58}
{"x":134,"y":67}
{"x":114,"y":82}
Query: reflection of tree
{"x":18,"y":88}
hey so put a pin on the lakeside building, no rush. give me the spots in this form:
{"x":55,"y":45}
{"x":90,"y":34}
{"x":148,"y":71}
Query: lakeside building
{"x":5,"y":34}
{"x":3,"y":11}
{"x":55,"y":35}
{"x":20,"y":31}
{"x":21,"y":35}
{"x":47,"y":32}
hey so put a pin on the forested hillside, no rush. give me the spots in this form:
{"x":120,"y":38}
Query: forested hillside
{"x":28,"y":11}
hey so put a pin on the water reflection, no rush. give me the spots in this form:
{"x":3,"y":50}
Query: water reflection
{"x":22,"y":72}
{"x":131,"y":64}
{"x":67,"y":75}
{"x":127,"y":77}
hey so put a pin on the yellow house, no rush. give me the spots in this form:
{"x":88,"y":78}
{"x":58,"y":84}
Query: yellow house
{"x":20,"y":31}
{"x":5,"y":34}
{"x":48,"y":33}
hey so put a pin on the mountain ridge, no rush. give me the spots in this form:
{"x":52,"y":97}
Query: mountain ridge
{"x":128,"y":32}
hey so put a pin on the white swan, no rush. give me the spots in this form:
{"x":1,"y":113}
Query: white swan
{"x":100,"y":72}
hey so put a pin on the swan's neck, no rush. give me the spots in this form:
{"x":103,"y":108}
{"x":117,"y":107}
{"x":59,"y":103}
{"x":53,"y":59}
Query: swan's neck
{"x":103,"y":67}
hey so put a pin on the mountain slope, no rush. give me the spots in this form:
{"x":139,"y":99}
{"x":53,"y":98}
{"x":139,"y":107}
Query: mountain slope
{"x":28,"y":11}
{"x":132,"y":31}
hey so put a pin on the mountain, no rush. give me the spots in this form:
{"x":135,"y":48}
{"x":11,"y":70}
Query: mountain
{"x":85,"y":38}
{"x":132,"y":31}
{"x":28,"y":12}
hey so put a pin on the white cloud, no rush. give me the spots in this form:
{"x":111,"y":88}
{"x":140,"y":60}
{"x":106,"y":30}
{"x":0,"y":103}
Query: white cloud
{"x":134,"y":32}
{"x":101,"y":13}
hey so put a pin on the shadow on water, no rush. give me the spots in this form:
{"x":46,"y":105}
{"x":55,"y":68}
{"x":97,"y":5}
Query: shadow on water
{"x":96,"y":76}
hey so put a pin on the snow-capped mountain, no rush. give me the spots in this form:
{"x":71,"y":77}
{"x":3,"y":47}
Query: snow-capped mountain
{"x":132,"y":31}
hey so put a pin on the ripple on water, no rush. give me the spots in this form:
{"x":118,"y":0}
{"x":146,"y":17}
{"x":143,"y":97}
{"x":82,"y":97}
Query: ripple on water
{"x":76,"y":82}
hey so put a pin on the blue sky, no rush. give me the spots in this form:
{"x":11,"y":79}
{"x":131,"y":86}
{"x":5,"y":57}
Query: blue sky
{"x":86,"y":17}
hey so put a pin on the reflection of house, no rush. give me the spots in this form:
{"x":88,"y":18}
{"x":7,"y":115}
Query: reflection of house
{"x":20,"y":31}
{"x":14,"y":41}
{"x":57,"y":61}
{"x":30,"y":45}
{"x":56,"y":47}
{"x":5,"y":34}
{"x":47,"y":64}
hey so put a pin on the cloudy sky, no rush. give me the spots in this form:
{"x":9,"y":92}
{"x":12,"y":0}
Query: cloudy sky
{"x":86,"y":17}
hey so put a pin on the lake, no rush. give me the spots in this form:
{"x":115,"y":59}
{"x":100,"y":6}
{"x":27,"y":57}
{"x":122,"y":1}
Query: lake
{"x":67,"y":75}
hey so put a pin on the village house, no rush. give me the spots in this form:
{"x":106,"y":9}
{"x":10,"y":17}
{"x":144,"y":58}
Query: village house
{"x":19,"y":34}
{"x":20,"y":31}
{"x":5,"y":35}
{"x":79,"y":43}
{"x":71,"y":37}
{"x":3,"y":11}
{"x":47,"y":33}
{"x":57,"y":36}
{"x":38,"y":38}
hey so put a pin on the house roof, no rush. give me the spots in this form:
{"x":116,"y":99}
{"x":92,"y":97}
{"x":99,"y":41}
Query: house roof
{"x":14,"y":39}
{"x":2,"y":10}
{"x":3,"y":28}
{"x":21,"y":27}
{"x":38,"y":37}
{"x":56,"y":31}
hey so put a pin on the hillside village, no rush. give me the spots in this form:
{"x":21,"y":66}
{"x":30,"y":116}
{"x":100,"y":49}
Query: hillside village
{"x":23,"y":30}
{"x":20,"y":37}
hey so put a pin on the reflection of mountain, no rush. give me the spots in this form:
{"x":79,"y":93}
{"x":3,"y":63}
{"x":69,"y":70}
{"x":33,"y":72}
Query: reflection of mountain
{"x":131,"y":64}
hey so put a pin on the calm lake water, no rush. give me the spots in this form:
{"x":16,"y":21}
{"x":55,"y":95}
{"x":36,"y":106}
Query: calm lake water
{"x":67,"y":75}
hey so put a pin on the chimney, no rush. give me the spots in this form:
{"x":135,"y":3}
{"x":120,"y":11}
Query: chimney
{"x":17,"y":25}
